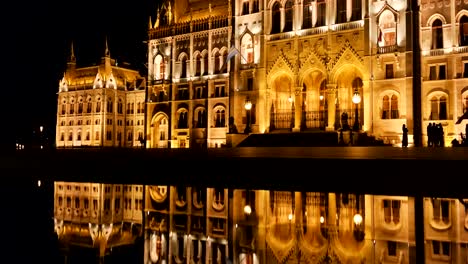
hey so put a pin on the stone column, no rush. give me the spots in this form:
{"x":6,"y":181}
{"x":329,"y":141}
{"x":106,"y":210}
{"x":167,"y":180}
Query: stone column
{"x":331,"y":98}
{"x":297,"y":109}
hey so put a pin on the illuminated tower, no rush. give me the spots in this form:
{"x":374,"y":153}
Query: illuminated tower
{"x":188,"y":77}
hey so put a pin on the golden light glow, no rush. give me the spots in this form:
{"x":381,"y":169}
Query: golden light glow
{"x":357,"y":219}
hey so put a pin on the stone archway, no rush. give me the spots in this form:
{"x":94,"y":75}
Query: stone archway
{"x":282,"y":102}
{"x":160,"y":131}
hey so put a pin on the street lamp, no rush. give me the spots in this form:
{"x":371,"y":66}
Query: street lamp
{"x":248,"y":108}
{"x":322,"y":114}
{"x":356,"y":100}
{"x":358,"y":231}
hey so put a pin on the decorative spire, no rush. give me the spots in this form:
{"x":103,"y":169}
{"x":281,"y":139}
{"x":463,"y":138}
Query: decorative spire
{"x":150,"y":24}
{"x":107,"y":52}
{"x":156,"y":24}
{"x":72,"y":53}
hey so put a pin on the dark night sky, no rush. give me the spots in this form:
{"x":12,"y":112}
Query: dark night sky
{"x":42,"y":34}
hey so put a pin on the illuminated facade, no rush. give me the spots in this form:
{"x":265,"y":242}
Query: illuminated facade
{"x":100,"y":106}
{"x":300,"y":64}
{"x":97,"y":216}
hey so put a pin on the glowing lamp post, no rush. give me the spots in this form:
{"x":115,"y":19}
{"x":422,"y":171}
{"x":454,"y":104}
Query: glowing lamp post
{"x":322,"y":114}
{"x":248,"y":108}
{"x":356,"y":100}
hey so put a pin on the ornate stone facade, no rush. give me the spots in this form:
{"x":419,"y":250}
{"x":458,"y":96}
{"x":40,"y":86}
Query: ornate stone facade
{"x":300,"y":64}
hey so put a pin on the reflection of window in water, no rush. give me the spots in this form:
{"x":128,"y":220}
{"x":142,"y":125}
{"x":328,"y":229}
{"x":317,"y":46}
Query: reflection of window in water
{"x":440,"y":210}
{"x":391,"y":211}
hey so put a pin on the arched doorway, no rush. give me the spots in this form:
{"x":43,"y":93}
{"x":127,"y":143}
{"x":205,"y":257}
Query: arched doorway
{"x":160,"y":131}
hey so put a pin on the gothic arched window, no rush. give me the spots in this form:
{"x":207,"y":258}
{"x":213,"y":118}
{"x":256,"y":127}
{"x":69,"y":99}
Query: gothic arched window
{"x":437,"y":35}
{"x":387,"y":29}
{"x":288,"y":16}
{"x":247,"y":49}
{"x":307,"y":14}
{"x":341,"y":11}
{"x":276,"y":18}
{"x":464,"y":31}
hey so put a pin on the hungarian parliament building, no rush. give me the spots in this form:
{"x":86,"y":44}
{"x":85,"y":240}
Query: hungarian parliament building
{"x":223,"y":69}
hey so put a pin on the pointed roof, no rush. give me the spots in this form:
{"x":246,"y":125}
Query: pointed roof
{"x":107,"y":52}
{"x":72,"y":57}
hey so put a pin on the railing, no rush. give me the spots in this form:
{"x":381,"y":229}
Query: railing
{"x":387,"y":49}
{"x":282,"y":119}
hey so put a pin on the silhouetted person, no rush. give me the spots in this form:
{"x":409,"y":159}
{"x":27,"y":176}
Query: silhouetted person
{"x":232,"y":126}
{"x":440,"y":135}
{"x":430,"y":140}
{"x":404,"y":140}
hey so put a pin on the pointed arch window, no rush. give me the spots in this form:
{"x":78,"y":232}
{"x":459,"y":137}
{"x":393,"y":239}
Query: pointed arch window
{"x":120,"y":107}
{"x":341,"y":11}
{"x":205,"y":64}
{"x":163,"y":128}
{"x":183,"y":67}
{"x":182,"y":121}
{"x":72,"y":107}
{"x":356,"y":10}
{"x":220,"y":117}
{"x":80,"y":106}
{"x":387,"y":29}
{"x":438,"y":108}
{"x":247,"y":49}
{"x":385,"y":107}
{"x":64,"y":107}
{"x":437,"y":35}
{"x":109,"y":106}
{"x":200,"y":121}
{"x":307,"y":14}
{"x":255,"y":7}
{"x":158,"y":67}
{"x":321,"y":13}
{"x":98,"y":106}
{"x":245,"y":7}
{"x":198,"y":61}
{"x":217,"y":63}
{"x":394,"y":107}
{"x":89,"y":105}
{"x":390,"y":107}
{"x":276,"y":18}
{"x":392,"y":211}
{"x":288,"y":16}
{"x":464,"y":31}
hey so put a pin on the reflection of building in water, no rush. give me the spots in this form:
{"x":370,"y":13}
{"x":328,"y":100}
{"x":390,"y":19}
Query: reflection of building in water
{"x":186,"y":225}
{"x":178,"y":224}
{"x":97,"y":216}
{"x":446,"y":230}
{"x":193,"y":225}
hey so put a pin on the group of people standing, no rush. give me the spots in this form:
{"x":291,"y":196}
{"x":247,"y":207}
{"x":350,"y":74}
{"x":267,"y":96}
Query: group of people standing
{"x":435,"y":135}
